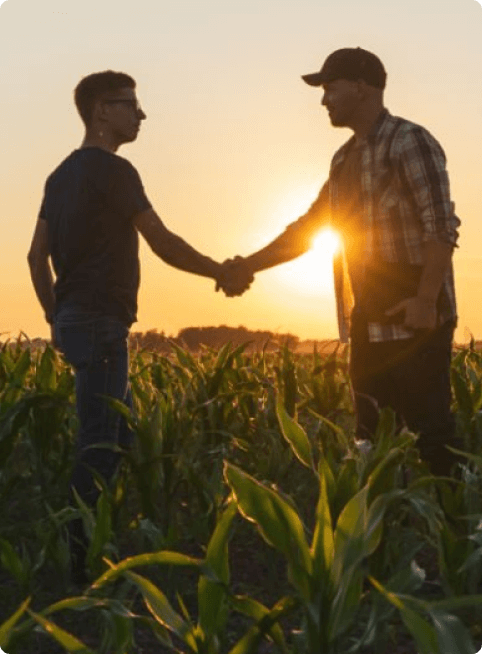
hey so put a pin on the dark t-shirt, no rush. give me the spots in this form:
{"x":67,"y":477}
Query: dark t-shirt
{"x":89,"y":203}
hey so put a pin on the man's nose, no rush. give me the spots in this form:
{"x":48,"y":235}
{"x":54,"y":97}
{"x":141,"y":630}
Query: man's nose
{"x":323,"y":100}
{"x":141,"y":114}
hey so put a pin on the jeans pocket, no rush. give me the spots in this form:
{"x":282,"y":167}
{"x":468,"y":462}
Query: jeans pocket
{"x":76,"y":341}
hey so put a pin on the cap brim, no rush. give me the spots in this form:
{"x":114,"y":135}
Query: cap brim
{"x":314,"y":79}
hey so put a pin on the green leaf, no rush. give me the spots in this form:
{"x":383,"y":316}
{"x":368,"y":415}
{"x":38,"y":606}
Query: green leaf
{"x":457,"y":603}
{"x":322,"y":546}
{"x":46,"y":375}
{"x":152,"y":558}
{"x":21,"y":368}
{"x":381,"y":478}
{"x":211,"y":595}
{"x":452,"y":636}
{"x":160,"y":608}
{"x":333,"y":426}
{"x":7,"y":626}
{"x":423,"y":632}
{"x":471,"y":457}
{"x":12,"y":562}
{"x":86,"y":513}
{"x":83,"y":603}
{"x":294,"y":434}
{"x":276,"y":520}
{"x":462,"y":393}
{"x":266,"y":623}
{"x":374,"y":521}
{"x":71,"y":643}
{"x":349,"y":534}
{"x":102,"y":529}
{"x":346,"y":601}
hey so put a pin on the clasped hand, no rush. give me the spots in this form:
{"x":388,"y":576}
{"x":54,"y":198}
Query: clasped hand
{"x":235,"y":277}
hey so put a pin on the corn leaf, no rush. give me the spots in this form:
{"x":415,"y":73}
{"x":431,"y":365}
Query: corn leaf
{"x":452,"y":636}
{"x":7,"y":626}
{"x":322,"y":546}
{"x":64,"y":638}
{"x":266,"y":623}
{"x":276,"y":520}
{"x":46,"y":375}
{"x":423,"y":632}
{"x":294,"y":434}
{"x":211,"y":595}
{"x":152,"y":558}
{"x":103,"y":527}
{"x":349,"y":534}
{"x":160,"y":608}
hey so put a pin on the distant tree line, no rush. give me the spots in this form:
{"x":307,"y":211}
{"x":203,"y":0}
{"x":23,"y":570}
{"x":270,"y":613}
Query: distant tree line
{"x":194,"y":338}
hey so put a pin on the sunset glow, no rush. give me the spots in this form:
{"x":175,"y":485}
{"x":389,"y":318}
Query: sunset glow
{"x":235,"y":146}
{"x":312,"y":273}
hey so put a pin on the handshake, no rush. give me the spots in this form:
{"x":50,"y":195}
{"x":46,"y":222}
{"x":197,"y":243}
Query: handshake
{"x":234,"y":277}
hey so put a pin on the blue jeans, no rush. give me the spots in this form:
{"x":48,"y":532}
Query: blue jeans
{"x":96,"y":346}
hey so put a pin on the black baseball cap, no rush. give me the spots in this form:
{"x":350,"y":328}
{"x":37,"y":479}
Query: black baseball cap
{"x":351,"y":64}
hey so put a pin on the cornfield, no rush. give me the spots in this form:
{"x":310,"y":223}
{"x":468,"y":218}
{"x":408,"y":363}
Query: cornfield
{"x":246,"y":518}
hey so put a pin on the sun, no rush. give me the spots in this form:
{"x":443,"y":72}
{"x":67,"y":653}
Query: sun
{"x":312,"y":273}
{"x":327,"y":243}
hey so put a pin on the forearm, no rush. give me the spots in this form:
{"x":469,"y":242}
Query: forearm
{"x":177,"y":253}
{"x":296,"y":239}
{"x":437,"y":257}
{"x":43,"y":284}
{"x":284,"y":248}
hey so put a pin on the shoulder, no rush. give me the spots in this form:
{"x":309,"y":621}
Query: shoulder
{"x":60,"y":169}
{"x":410,"y":135}
{"x":121,"y":167}
{"x":341,"y":153}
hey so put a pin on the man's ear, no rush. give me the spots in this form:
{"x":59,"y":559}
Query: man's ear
{"x":362,"y":88}
{"x":100,"y":111}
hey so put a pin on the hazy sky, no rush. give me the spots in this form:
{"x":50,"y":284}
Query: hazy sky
{"x":235,"y":145}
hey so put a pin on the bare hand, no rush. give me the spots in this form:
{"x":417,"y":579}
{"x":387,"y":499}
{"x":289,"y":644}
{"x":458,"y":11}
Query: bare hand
{"x":420,"y":313}
{"x":235,"y":277}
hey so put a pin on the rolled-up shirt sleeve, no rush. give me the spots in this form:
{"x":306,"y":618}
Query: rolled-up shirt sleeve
{"x":423,"y":171}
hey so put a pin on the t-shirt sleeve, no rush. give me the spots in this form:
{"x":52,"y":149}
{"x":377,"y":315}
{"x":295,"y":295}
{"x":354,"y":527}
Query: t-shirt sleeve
{"x":42,"y":214}
{"x":126,"y":193}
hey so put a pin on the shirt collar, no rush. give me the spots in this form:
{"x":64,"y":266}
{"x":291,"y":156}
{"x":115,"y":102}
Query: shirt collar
{"x":377,"y":126}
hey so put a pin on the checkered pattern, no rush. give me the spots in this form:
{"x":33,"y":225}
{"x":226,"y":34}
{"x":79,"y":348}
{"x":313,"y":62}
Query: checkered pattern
{"x":406,"y":202}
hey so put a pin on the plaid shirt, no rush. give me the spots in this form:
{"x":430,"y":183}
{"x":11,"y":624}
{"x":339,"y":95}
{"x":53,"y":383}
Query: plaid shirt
{"x":405,"y":201}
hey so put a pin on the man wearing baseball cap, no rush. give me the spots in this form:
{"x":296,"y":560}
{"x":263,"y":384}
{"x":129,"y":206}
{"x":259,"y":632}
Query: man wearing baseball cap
{"x":388,"y":197}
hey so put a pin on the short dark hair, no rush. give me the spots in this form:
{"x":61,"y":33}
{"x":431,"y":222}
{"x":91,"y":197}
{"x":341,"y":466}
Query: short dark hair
{"x":96,"y":87}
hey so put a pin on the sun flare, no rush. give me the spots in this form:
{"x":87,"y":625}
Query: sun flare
{"x":327,"y":243}
{"x":312,"y":274}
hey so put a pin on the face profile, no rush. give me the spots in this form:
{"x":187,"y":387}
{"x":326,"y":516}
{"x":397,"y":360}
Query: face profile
{"x":122,"y":115}
{"x":342,"y":99}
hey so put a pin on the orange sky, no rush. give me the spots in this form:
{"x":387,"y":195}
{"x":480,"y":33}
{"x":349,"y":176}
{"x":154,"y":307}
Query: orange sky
{"x":235,"y":146}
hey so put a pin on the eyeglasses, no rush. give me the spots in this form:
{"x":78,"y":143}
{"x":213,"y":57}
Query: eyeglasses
{"x":134,"y":104}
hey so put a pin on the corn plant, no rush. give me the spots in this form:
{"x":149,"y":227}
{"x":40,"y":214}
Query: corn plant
{"x":466,"y":377}
{"x":328,"y":574}
{"x":207,"y":634}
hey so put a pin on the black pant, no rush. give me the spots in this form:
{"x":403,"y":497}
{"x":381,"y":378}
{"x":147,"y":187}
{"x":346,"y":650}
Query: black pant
{"x":412,"y":376}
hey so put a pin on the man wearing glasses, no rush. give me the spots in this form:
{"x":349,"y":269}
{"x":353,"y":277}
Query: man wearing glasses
{"x":93,"y":207}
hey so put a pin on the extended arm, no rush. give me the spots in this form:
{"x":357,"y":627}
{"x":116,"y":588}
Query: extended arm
{"x":172,"y":248}
{"x":40,"y":272}
{"x":176,"y":252}
{"x":293,"y":242}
